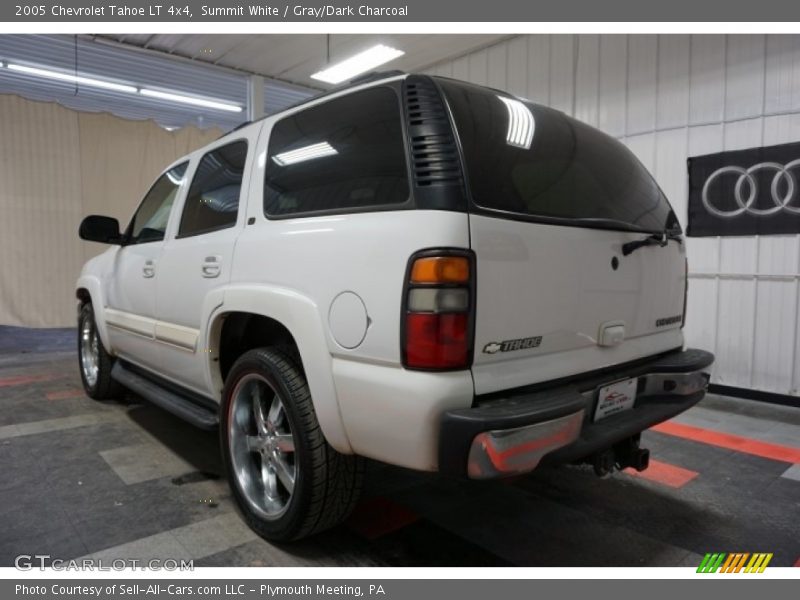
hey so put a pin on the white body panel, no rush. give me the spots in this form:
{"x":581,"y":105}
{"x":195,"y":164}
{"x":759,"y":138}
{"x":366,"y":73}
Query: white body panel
{"x":131,"y":295}
{"x":191,"y":268}
{"x":532,"y":280}
{"x":558,"y":283}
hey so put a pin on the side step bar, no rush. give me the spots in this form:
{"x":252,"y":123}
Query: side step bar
{"x":178,"y":405}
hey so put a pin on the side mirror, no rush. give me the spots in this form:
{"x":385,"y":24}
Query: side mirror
{"x":105,"y":230}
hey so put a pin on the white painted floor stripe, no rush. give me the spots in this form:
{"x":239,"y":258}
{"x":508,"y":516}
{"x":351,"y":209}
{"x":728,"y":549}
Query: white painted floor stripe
{"x":792,"y":472}
{"x":194,"y":541}
{"x":144,"y":462}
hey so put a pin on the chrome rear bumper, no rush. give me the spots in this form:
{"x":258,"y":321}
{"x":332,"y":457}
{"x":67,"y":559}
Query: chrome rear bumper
{"x":507,"y":437}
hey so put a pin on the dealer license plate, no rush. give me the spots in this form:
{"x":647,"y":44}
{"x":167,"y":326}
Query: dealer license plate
{"x":615,"y":398}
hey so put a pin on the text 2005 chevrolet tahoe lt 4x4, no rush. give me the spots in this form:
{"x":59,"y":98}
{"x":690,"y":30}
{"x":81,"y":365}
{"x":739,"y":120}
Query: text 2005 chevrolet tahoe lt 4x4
{"x":412,"y":269}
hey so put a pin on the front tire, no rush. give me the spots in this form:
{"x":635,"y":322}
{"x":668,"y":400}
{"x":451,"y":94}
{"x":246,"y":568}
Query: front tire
{"x":94,"y":361}
{"x":288,"y":482}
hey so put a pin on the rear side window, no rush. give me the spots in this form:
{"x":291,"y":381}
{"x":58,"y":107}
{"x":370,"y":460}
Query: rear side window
{"x":345,"y":155}
{"x":213,"y":199}
{"x":534,"y":162}
{"x":150,"y":221}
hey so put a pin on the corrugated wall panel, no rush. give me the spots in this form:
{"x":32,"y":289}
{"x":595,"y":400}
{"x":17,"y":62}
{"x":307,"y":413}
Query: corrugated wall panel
{"x":782,"y":85}
{"x":773,"y":350}
{"x":673,"y":80}
{"x":613,"y":84}
{"x":587,"y":79}
{"x":670,"y":168}
{"x":518,"y":66}
{"x":539,"y":68}
{"x":562,"y":59}
{"x":707,"y":79}
{"x":671,"y":97}
{"x":744,"y":83}
{"x":642,"y":71}
{"x":498,"y":65}
{"x":478,"y":67}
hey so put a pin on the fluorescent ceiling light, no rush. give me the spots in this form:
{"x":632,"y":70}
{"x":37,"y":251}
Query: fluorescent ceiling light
{"x":521,"y":124}
{"x":88,"y":81}
{"x":217,"y":104}
{"x":306,"y":153}
{"x":360,"y":63}
{"x":122,"y":87}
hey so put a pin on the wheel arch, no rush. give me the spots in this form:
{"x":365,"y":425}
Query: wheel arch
{"x":252,"y":316}
{"x":89,"y":289}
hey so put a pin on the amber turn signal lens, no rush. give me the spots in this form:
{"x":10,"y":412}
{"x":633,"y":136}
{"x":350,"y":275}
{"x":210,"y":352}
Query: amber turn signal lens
{"x":440,"y":269}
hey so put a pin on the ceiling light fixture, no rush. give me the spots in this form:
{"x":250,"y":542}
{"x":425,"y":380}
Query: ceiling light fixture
{"x":305,"y":153}
{"x":212,"y":103}
{"x":194,"y":100}
{"x":87,"y":81}
{"x":521,"y":124}
{"x":360,"y":63}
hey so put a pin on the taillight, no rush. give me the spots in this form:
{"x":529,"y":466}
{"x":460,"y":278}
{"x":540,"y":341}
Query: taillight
{"x":438,"y":309}
{"x":685,"y":289}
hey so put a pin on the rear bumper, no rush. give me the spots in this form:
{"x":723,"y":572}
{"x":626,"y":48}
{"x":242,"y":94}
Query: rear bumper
{"x":512,"y":435}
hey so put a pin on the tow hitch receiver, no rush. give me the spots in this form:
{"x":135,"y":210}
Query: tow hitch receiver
{"x":622,"y":455}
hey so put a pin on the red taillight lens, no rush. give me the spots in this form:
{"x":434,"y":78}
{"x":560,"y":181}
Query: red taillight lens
{"x":437,"y":341}
{"x":438,"y":309}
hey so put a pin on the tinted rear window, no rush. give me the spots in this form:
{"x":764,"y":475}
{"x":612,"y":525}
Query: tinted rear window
{"x":345,"y":155}
{"x":538,"y":163}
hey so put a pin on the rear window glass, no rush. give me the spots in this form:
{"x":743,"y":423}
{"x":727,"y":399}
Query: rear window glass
{"x":534,"y":162}
{"x":344,"y":155}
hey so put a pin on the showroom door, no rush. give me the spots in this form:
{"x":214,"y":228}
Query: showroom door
{"x":131,"y":293}
{"x":197,"y":261}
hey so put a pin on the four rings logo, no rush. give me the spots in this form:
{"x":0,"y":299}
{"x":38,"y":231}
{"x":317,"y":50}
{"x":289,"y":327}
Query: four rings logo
{"x":747,"y":195}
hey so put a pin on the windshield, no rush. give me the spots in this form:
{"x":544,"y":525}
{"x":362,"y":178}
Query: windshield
{"x":533,"y":162}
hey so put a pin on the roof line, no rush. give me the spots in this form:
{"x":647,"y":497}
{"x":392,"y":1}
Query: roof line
{"x":370,"y":77}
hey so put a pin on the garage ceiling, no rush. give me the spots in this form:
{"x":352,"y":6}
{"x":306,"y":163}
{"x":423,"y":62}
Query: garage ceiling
{"x":294,"y":58}
{"x":215,"y":67}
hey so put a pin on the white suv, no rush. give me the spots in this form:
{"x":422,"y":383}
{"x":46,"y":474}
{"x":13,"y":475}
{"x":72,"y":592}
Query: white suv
{"x":412,"y":269}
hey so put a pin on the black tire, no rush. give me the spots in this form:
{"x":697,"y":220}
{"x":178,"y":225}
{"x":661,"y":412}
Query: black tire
{"x":327,"y":484}
{"x":103,"y":388}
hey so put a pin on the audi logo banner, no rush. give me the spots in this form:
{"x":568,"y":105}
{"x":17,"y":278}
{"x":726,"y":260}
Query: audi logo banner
{"x":745,"y":192}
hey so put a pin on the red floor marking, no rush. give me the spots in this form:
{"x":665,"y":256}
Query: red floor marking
{"x":375,"y":517}
{"x":665,"y":474}
{"x":731,"y":442}
{"x":64,"y":394}
{"x":25,"y":379}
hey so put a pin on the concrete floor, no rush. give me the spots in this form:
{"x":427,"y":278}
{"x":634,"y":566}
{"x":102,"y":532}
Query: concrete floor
{"x":125,"y":479}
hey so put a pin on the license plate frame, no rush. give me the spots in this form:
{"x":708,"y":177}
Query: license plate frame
{"x":614,"y":398}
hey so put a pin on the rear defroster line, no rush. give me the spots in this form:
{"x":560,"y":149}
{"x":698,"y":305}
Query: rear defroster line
{"x":731,"y":442}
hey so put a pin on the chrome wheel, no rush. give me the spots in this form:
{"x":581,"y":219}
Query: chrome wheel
{"x":90,"y":351}
{"x":262,"y":446}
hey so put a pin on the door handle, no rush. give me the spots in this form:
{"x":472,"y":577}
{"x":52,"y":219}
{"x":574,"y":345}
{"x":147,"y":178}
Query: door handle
{"x":211,"y":266}
{"x":149,"y":269}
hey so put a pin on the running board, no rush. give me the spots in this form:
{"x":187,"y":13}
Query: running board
{"x":178,"y":405}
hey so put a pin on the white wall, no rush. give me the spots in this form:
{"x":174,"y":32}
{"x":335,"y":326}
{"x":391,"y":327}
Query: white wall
{"x":669,"y":97}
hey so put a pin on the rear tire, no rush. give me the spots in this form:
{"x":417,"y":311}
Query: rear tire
{"x":288,"y":482}
{"x":94,"y":362}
